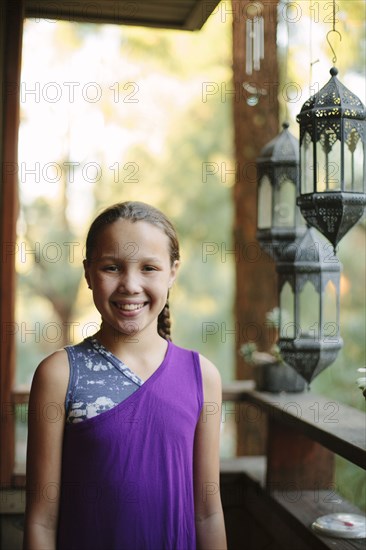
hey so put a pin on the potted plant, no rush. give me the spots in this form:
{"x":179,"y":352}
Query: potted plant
{"x":270,"y":372}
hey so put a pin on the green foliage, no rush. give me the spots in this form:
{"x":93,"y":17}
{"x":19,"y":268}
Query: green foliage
{"x":350,"y":482}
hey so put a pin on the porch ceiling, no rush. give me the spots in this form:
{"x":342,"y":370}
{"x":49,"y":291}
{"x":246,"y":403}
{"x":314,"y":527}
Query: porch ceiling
{"x":169,"y":14}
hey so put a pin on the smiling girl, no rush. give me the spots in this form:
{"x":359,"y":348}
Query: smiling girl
{"x":133,"y":461}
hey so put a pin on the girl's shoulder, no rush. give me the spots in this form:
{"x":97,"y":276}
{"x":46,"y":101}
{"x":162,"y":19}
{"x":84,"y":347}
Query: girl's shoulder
{"x":56,"y":366}
{"x":52,"y":374}
{"x":54,"y":363}
{"x":211,"y":377}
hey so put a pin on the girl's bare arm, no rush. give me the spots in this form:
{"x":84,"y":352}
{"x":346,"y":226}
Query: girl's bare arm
{"x":46,"y":419}
{"x":210,"y":527}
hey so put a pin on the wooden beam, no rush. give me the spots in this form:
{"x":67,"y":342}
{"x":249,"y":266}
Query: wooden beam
{"x":170,"y":14}
{"x":254,"y":126}
{"x":199,"y":14}
{"x":11,"y":41}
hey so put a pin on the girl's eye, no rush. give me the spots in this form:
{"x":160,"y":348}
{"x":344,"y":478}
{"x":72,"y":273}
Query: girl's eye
{"x":111,"y":268}
{"x":149,"y":268}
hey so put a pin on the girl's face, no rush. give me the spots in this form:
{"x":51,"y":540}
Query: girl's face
{"x":130,"y":275}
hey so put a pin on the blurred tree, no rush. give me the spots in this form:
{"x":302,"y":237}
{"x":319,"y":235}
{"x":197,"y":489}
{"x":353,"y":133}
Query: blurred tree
{"x":54,"y":275}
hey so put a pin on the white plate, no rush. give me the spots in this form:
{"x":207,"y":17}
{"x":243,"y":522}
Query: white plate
{"x":345,"y":526}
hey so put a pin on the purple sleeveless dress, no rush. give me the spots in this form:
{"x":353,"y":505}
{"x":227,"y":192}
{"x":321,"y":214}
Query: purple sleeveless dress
{"x":127,"y":474}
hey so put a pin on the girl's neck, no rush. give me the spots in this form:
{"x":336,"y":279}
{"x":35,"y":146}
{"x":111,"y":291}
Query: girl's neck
{"x":143,"y":354}
{"x":122,"y":345}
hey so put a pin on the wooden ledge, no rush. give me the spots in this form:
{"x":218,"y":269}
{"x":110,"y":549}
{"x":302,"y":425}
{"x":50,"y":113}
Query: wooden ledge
{"x":284,"y":515}
{"x":301,"y":508}
{"x":340,"y":428}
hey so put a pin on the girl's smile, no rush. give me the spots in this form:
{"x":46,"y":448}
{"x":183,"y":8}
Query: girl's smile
{"x":129,"y":309}
{"x":129,"y":306}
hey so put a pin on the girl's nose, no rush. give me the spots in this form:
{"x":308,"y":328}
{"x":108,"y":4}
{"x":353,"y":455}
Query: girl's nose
{"x":129,"y":283}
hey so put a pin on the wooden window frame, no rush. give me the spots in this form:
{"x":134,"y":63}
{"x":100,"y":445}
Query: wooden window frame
{"x":10,"y":65}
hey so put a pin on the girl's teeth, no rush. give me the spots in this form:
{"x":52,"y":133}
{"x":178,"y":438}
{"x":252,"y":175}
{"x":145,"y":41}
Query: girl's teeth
{"x":130,"y":307}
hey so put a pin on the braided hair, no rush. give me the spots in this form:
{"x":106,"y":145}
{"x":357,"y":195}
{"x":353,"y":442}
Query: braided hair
{"x":137,"y":211}
{"x":164,"y":322}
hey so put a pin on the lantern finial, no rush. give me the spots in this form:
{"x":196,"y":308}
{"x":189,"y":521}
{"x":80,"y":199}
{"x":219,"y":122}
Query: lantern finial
{"x":334,"y":71}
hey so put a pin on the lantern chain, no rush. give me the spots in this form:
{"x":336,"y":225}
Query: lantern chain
{"x":334,"y":59}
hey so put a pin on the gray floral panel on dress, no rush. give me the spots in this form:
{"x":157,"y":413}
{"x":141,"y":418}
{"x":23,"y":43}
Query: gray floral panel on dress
{"x":98,"y":381}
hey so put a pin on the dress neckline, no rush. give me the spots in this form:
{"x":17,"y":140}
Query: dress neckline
{"x":116,"y":361}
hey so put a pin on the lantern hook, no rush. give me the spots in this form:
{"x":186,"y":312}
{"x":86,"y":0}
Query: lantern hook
{"x":330,"y":45}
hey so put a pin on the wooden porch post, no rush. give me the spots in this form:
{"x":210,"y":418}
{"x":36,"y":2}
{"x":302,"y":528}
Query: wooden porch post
{"x":295,"y":462}
{"x":254,"y":126}
{"x":11,"y":30}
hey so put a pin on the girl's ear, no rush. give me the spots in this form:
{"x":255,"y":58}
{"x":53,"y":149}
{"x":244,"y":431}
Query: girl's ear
{"x":173,"y":272}
{"x":86,"y":273}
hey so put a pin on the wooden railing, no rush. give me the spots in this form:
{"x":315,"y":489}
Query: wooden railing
{"x":277,"y":496}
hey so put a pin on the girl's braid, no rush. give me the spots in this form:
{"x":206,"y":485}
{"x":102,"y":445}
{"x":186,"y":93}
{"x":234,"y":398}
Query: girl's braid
{"x":164,"y":322}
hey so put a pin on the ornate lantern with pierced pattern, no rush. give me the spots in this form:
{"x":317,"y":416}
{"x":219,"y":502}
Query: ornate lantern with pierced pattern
{"x":279,"y":221}
{"x":308,"y":279}
{"x":332,"y":159}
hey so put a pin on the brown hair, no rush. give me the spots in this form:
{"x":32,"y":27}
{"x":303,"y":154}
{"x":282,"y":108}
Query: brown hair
{"x":137,"y":211}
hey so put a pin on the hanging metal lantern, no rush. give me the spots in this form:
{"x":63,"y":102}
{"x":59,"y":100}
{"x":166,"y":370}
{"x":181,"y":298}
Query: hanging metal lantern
{"x":308,"y":279}
{"x":279,"y":221}
{"x":332,"y":159}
